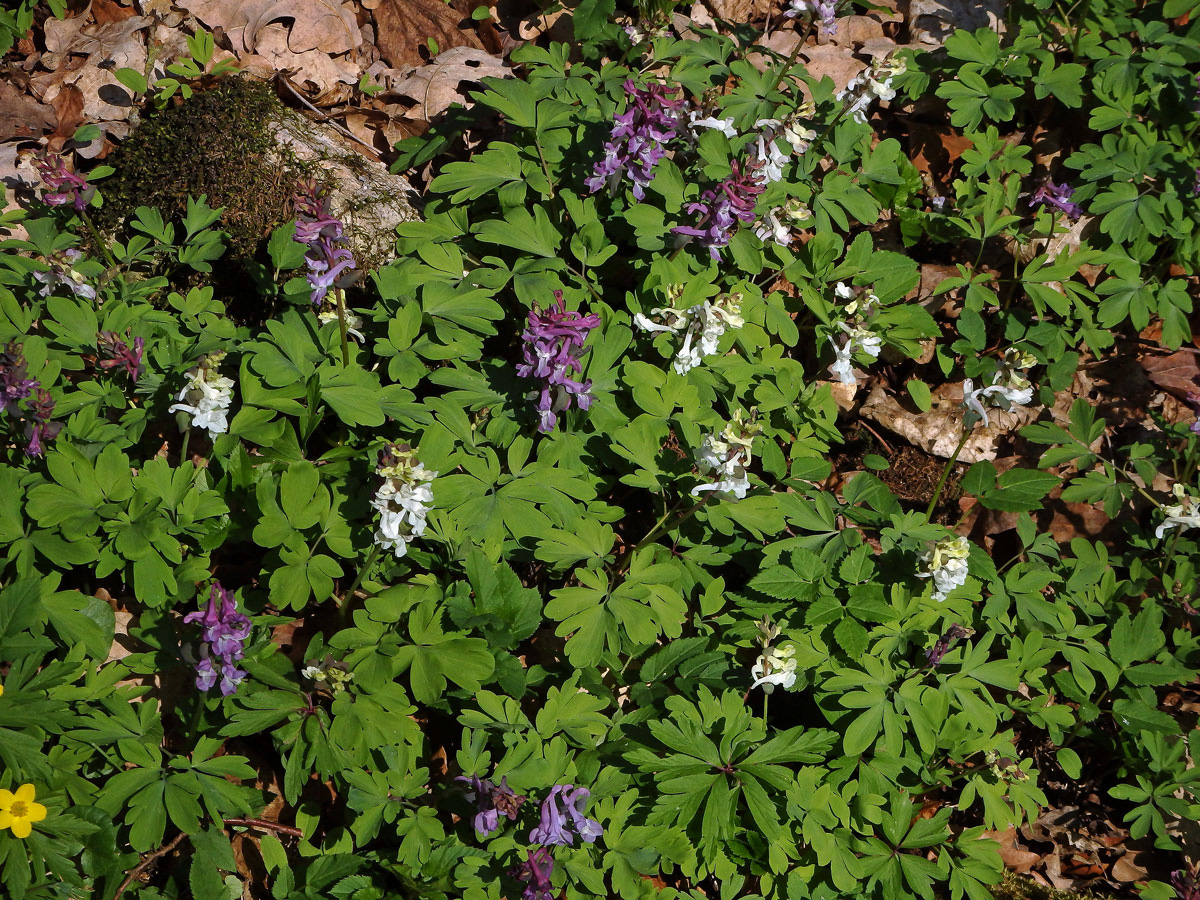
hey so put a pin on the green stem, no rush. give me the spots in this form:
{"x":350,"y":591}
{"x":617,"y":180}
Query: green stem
{"x":341,"y":308}
{"x":545,"y":168}
{"x":766,"y":697}
{"x":660,"y":528}
{"x":779,"y":76}
{"x":344,"y":603}
{"x":100,"y":244}
{"x":937,"y":491}
{"x":183,"y":450}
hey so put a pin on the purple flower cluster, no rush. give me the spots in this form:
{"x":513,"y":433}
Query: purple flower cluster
{"x":945,"y":643}
{"x":39,"y":405}
{"x":225,"y":632}
{"x":62,"y":185}
{"x":651,"y":119}
{"x":1196,"y":186}
{"x":328,"y":259}
{"x":721,"y":208}
{"x":1186,"y":883}
{"x":553,"y":342}
{"x":824,"y":13}
{"x":560,"y":826}
{"x":1058,"y":196}
{"x":535,"y":873}
{"x":1193,"y":400}
{"x":492,"y":800}
{"x":116,"y":354}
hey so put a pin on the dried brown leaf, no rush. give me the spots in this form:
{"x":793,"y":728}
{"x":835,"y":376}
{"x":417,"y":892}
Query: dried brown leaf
{"x":1016,"y":858}
{"x":435,"y":86}
{"x":1177,"y":373}
{"x":21,"y":116}
{"x":405,"y":26}
{"x":325,"y":25}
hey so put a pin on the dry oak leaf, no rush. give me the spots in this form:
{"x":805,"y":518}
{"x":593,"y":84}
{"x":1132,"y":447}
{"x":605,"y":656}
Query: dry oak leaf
{"x":21,"y":116}
{"x":322,"y":71}
{"x":1016,"y":859}
{"x":435,"y":86}
{"x":325,"y":25}
{"x":405,"y":26}
{"x":1177,"y":373}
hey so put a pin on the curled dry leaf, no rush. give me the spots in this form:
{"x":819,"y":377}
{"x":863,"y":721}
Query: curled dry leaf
{"x":1177,"y":373}
{"x":435,"y":86}
{"x":325,"y":25}
{"x":405,"y":26}
{"x":323,"y":75}
{"x":21,"y":116}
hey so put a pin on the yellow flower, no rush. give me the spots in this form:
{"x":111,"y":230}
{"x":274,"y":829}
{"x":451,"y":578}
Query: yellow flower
{"x":19,"y":811}
{"x":1,"y":690}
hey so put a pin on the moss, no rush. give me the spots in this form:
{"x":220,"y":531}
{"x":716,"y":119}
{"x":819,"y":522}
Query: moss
{"x":217,"y":143}
{"x":1014,"y":887}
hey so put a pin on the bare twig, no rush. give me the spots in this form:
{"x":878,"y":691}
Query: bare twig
{"x":141,"y":867}
{"x":341,"y":129}
{"x":266,"y":826}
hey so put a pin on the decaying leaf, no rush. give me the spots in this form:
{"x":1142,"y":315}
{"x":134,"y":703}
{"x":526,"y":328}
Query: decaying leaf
{"x":325,"y":25}
{"x":435,"y":86}
{"x":405,"y":26}
{"x":21,"y":116}
{"x":1177,"y":373}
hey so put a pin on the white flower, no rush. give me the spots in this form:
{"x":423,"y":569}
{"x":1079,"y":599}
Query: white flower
{"x":874,"y":83}
{"x":798,"y":136}
{"x":702,"y":326}
{"x":946,"y":563}
{"x":858,"y":339}
{"x":769,"y":227}
{"x":767,"y":152}
{"x":843,"y":365}
{"x":725,"y":126}
{"x":843,"y":291}
{"x":1183,"y":515}
{"x":62,"y":272}
{"x":207,"y":396}
{"x":1009,"y":388}
{"x":776,"y":666}
{"x":726,"y":456}
{"x":313,"y":673}
{"x":353,"y":322}
{"x":403,"y":500}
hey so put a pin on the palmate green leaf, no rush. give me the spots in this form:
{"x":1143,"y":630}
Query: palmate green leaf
{"x":1019,"y":490}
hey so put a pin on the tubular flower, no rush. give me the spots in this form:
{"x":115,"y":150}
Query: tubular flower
{"x":116,"y":354}
{"x":492,"y":801}
{"x":329,"y":313}
{"x":823,"y":12}
{"x":722,"y":207}
{"x":1009,"y":388}
{"x":875,"y":83}
{"x":62,"y":185}
{"x":726,"y":456}
{"x":62,"y":273}
{"x":40,"y":430}
{"x":1182,"y":515}
{"x":1058,"y":196}
{"x":206,"y":396}
{"x":858,"y":338}
{"x":404,"y":498}
{"x":774,"y":667}
{"x":945,"y":643}
{"x":946,"y":564}
{"x":535,"y":872}
{"x":14,"y":386}
{"x":19,"y":810}
{"x":553,"y":344}
{"x":329,"y":261}
{"x":225,"y":632}
{"x":701,"y":326}
{"x":651,"y":119}
{"x":561,"y":826}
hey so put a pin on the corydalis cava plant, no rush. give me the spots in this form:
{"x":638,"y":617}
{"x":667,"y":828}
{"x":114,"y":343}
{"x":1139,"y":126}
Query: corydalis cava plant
{"x":561,"y":826}
{"x":553,"y":345}
{"x":651,"y":119}
{"x":701,"y":326}
{"x":225,"y":631}
{"x":207,"y":396}
{"x":403,"y":499}
{"x":726,"y":457}
{"x":330,"y":262}
{"x":946,"y":563}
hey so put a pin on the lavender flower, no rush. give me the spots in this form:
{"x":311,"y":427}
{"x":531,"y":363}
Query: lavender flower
{"x":554,"y":827}
{"x":1058,"y":196}
{"x":1196,"y":186}
{"x":823,"y":12}
{"x":62,"y":185}
{"x":1186,"y":883}
{"x":535,"y":872}
{"x":722,"y":207}
{"x":328,"y":259}
{"x":62,"y":272}
{"x":639,"y":136}
{"x":40,"y":429}
{"x":553,"y":343}
{"x":945,"y":643}
{"x":225,"y":631}
{"x":492,"y":800}
{"x":14,"y":386}
{"x":117,"y":354}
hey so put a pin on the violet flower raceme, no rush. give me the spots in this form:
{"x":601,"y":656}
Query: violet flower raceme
{"x":40,"y":429}
{"x":225,"y":631}
{"x":639,"y":137}
{"x":722,"y":207}
{"x":14,"y":386}
{"x":553,"y":342}
{"x":535,"y":872}
{"x":328,"y":260}
{"x":1186,"y":883}
{"x":1058,"y":196}
{"x":62,"y":185}
{"x":492,"y":801}
{"x":823,"y":12}
{"x":945,"y":643}
{"x":116,"y":353}
{"x":554,"y":827}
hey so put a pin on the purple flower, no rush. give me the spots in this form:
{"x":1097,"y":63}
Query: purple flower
{"x":225,"y":631}
{"x":1193,"y":400}
{"x":14,"y":386}
{"x":328,"y":259}
{"x":62,"y":185}
{"x":553,"y":343}
{"x":40,"y":429}
{"x":117,"y":354}
{"x":492,"y":800}
{"x":722,"y":207}
{"x":1186,"y":883}
{"x":61,"y":273}
{"x":824,"y":13}
{"x":554,"y":827}
{"x":1058,"y":196}
{"x":938,"y":651}
{"x":639,"y":135}
{"x":1196,"y":186}
{"x":535,"y":872}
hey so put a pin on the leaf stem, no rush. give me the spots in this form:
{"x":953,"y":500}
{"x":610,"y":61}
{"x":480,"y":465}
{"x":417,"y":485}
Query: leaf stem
{"x":343,"y":603}
{"x":341,"y":308}
{"x":937,"y":491}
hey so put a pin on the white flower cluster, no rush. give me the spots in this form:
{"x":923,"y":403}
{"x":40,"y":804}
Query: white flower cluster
{"x":702,"y":326}
{"x":697,"y":119}
{"x":858,"y":337}
{"x":1184,"y":514}
{"x":62,"y":273}
{"x":1009,"y":387}
{"x":332,"y":675}
{"x":403,"y":500}
{"x":946,"y":564}
{"x":777,"y":224}
{"x":775,"y":666}
{"x":871,"y":84}
{"x":207,"y":396}
{"x":329,"y":313}
{"x":726,"y":456}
